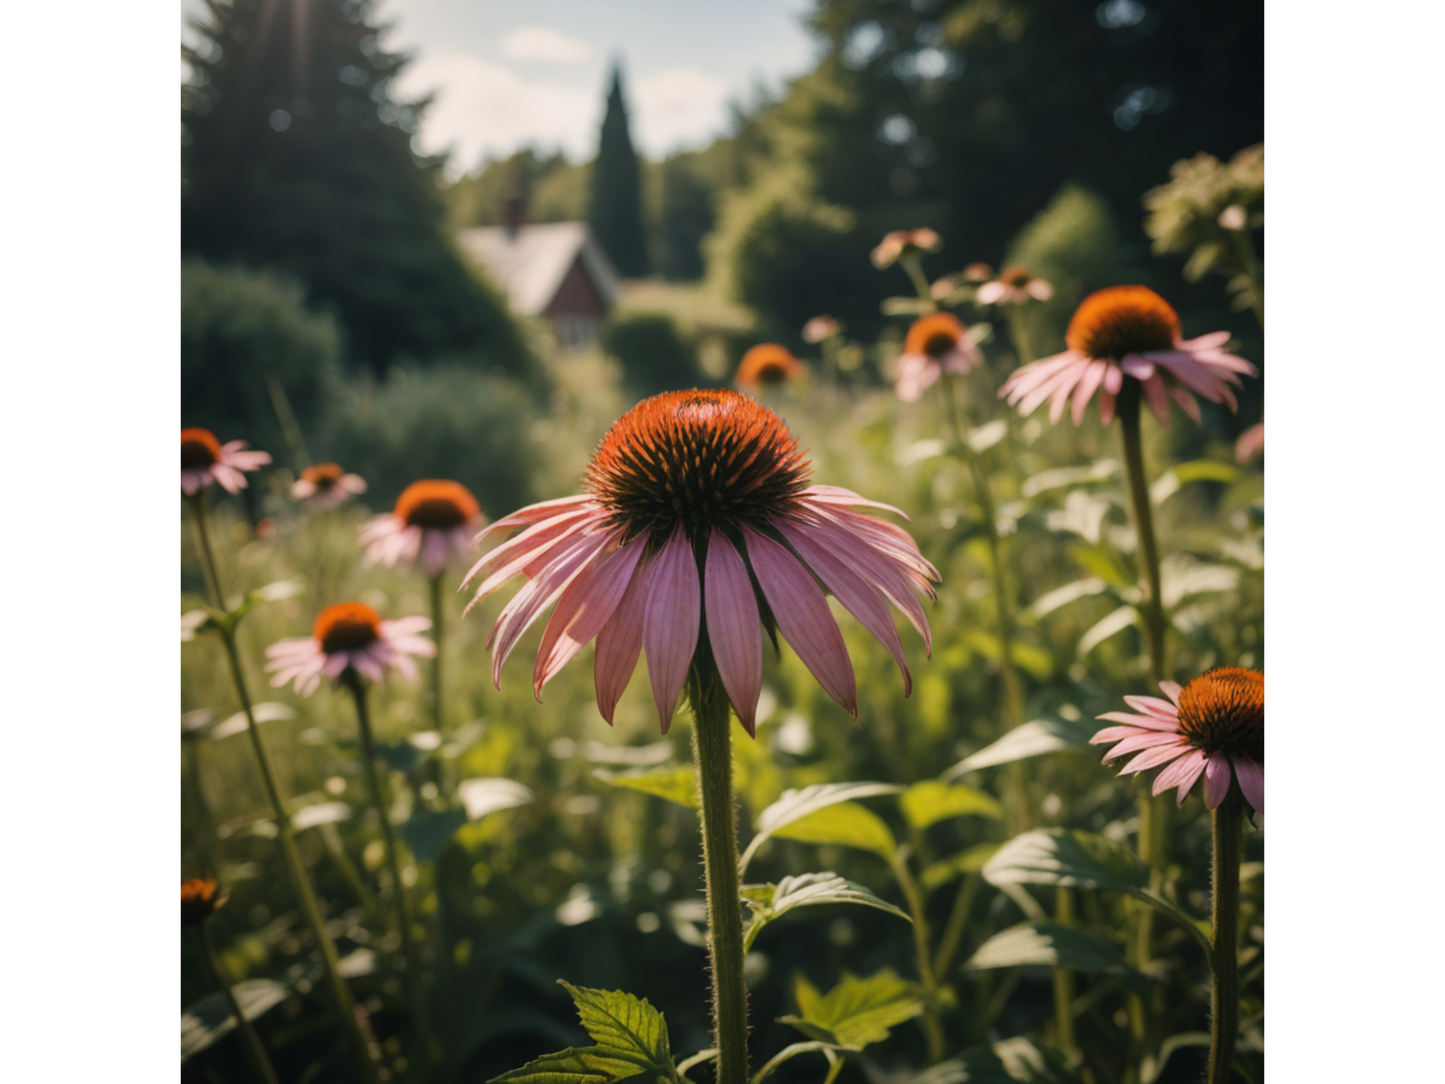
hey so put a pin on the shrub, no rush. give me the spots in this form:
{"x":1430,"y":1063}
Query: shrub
{"x":653,"y":354}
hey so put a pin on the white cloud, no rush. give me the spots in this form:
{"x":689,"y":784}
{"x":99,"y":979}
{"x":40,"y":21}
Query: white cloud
{"x":489,"y":108}
{"x":675,"y":107}
{"x":544,"y":43}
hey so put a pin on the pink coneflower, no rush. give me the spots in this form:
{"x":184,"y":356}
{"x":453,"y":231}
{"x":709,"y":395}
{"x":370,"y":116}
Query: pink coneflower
{"x":901,"y":243}
{"x":326,"y":485}
{"x":698,"y":525}
{"x":433,"y":522}
{"x":768,"y":363}
{"x":820,"y":329}
{"x":204,"y":460}
{"x":1128,"y":331}
{"x":1249,"y":444}
{"x":1015,"y":286}
{"x":1211,"y":725}
{"x":977,"y":272}
{"x":936,"y":344}
{"x":349,"y":636}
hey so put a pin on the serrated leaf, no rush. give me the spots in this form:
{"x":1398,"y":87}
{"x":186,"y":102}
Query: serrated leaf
{"x":846,"y":824}
{"x":1031,"y":739}
{"x":970,"y":860}
{"x":797,"y":804}
{"x":676,"y":785}
{"x":210,"y":1019}
{"x":931,"y":801}
{"x":1047,"y":944}
{"x":768,"y":902}
{"x":585,"y":1065}
{"x":857,"y":1011}
{"x":631,"y":1038}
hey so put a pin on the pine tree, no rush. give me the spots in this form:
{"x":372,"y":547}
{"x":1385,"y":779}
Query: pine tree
{"x":615,"y":210}
{"x":296,"y":156}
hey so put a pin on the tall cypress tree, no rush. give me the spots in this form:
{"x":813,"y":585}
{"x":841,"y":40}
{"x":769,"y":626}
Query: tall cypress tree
{"x":296,"y":155}
{"x":615,"y":210}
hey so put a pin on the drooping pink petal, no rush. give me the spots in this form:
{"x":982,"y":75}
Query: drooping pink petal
{"x":846,"y":497}
{"x":803,"y":615}
{"x":1060,"y":397}
{"x":1088,"y":384}
{"x":1137,"y":365}
{"x":1211,"y":341}
{"x":1143,"y":739}
{"x":508,"y":559}
{"x":1152,"y":705}
{"x":1187,"y":403}
{"x":1217,"y":775}
{"x":670,"y":622}
{"x":1171,"y":689}
{"x":857,"y":596}
{"x":1158,"y":397}
{"x":1250,"y":774}
{"x":1117,"y":733}
{"x":1152,"y":758}
{"x":435,"y":549}
{"x":1068,"y":374}
{"x":1152,"y":722}
{"x":536,"y":513}
{"x":1113,"y":378}
{"x":1182,"y":774}
{"x":1028,"y":377}
{"x":584,"y":608}
{"x":232,"y":481}
{"x":734,"y":628}
{"x":619,"y":643}
{"x":1107,"y":401}
{"x":916,"y":374}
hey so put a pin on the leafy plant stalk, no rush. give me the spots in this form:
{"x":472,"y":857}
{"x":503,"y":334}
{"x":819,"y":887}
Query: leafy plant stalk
{"x":250,"y":1041}
{"x":1019,"y":333}
{"x":712,"y":753}
{"x":410,"y":961}
{"x":932,"y":1026}
{"x":1152,"y":608}
{"x":437,"y":634}
{"x":1226,"y":822}
{"x":300,"y":885}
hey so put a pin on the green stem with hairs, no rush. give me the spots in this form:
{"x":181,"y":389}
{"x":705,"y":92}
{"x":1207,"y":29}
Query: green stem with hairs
{"x":412,"y":965}
{"x":436,"y":670}
{"x":250,"y":1041}
{"x":932,"y":1026}
{"x":712,"y":754}
{"x":1227,"y":823}
{"x":1152,"y":605}
{"x":295,"y":871}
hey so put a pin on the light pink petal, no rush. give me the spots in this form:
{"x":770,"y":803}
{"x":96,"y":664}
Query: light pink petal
{"x":1088,"y":384}
{"x":1028,"y":377}
{"x":670,"y":622}
{"x":847,"y":498}
{"x":916,"y":374}
{"x":1171,"y":689}
{"x":857,"y":596}
{"x":1152,"y":705}
{"x":1152,"y":758}
{"x":1199,"y":378}
{"x":1187,"y":402}
{"x":1118,"y":733}
{"x":365,"y":663}
{"x":1249,"y":444}
{"x":1060,"y":397}
{"x":620,"y":642}
{"x":377,"y":527}
{"x":991,"y":292}
{"x":1068,"y":374}
{"x":1136,"y":365}
{"x":1182,"y":774}
{"x":1144,"y":739}
{"x":354,"y":484}
{"x":803,"y":615}
{"x":584,"y":608}
{"x":511,"y":557}
{"x":435,"y":549}
{"x":1251,"y":781}
{"x":1212,"y":341}
{"x":302,"y":488}
{"x":232,"y":481}
{"x":1216,"y":780}
{"x":962,"y":358}
{"x":536,"y":513}
{"x":1113,"y":379}
{"x":1106,"y":402}
{"x":1158,"y":397}
{"x":335,"y":664}
{"x":734,"y":628}
{"x":1150,"y":722}
{"x":882,"y":535}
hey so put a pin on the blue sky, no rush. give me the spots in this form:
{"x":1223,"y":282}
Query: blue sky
{"x":506,"y":75}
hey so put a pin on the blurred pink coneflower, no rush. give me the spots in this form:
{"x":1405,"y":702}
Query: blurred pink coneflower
{"x":936,"y":344}
{"x":433,"y":522}
{"x":349,"y":636}
{"x":326,"y":485}
{"x":698,"y":525}
{"x":821,"y":328}
{"x":1211,"y":725}
{"x":204,"y":460}
{"x":1015,"y":286}
{"x":1128,"y":331}
{"x":900,"y":243}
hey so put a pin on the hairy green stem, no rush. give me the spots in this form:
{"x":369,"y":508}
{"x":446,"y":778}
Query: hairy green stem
{"x":1152,"y":607}
{"x":932,"y":1026}
{"x":1227,"y":823}
{"x":250,"y":1041}
{"x":295,"y":871}
{"x":393,"y":864}
{"x":436,"y":670}
{"x":712,"y":753}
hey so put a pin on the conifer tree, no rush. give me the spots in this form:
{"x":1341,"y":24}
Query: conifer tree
{"x":297,"y":156}
{"x":615,"y":209}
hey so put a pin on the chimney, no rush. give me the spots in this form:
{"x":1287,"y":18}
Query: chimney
{"x":514,"y":213}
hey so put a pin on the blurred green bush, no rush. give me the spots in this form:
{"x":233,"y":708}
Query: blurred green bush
{"x":240,"y":330}
{"x":652,"y":352}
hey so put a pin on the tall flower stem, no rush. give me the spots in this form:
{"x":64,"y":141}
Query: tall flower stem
{"x":295,"y":871}
{"x":1153,"y":605}
{"x":1064,"y":983}
{"x":412,"y":965}
{"x":1227,"y":823}
{"x":203,"y":545}
{"x":712,"y":753}
{"x":1018,"y":331}
{"x":932,"y":1026}
{"x":914,"y":266}
{"x":436,"y":670}
{"x":250,"y":1041}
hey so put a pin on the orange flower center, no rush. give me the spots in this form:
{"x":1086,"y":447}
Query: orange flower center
{"x":1017,"y":277}
{"x":323,"y":476}
{"x":199,"y":448}
{"x":435,"y":504}
{"x":346,"y":626}
{"x":767,"y":363}
{"x":198,"y":900}
{"x":934,"y":335}
{"x":1222,"y":710}
{"x":704,"y":459}
{"x":1122,"y":320}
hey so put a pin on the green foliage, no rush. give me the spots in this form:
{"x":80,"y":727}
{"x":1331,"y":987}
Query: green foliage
{"x":1047,"y":944}
{"x":295,"y":155}
{"x":653,"y":354}
{"x":797,"y":805}
{"x":555,"y":189}
{"x":614,"y":209}
{"x":210,"y":1019}
{"x":845,"y":824}
{"x":676,"y":785}
{"x":681,"y":211}
{"x":243,"y":334}
{"x":447,"y":422}
{"x":1032,"y":739}
{"x":857,"y":1012}
{"x":767,"y":902}
{"x":631,"y":1038}
{"x":927,"y":803}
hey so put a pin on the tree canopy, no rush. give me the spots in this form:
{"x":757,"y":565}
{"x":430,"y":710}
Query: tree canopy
{"x":615,"y":209}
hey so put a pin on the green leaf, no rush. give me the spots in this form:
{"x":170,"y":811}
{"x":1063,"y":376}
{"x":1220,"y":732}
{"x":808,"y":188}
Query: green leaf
{"x":904,"y":306}
{"x":1070,"y":592}
{"x":1047,"y":944}
{"x":828,"y":1050}
{"x":1032,"y":739}
{"x":1102,"y":562}
{"x":1062,"y":477}
{"x":970,"y":860}
{"x":768,"y":902}
{"x":1111,"y":625}
{"x":797,"y":804}
{"x":1008,"y":1062}
{"x":979,"y":1065}
{"x":846,"y":824}
{"x":210,"y":1018}
{"x":1197,"y":470}
{"x":857,"y":1011}
{"x":676,"y":785}
{"x":987,"y":435}
{"x":631,"y":1038}
{"x":427,"y":832}
{"x":927,"y":803}
{"x":485,"y":795}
